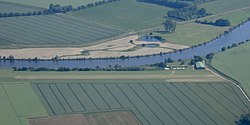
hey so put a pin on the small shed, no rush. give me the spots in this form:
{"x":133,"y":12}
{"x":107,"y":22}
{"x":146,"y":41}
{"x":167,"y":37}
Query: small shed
{"x":200,"y":65}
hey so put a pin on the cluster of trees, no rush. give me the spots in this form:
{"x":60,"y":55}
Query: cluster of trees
{"x":196,"y":59}
{"x":167,"y":3}
{"x":219,"y":22}
{"x":56,"y":8}
{"x":176,"y":4}
{"x":169,"y":26}
{"x":243,"y":120}
{"x":188,"y":13}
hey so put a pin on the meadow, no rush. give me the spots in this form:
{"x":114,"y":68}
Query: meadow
{"x":19,"y":102}
{"x":190,"y":33}
{"x":127,"y":15}
{"x":234,"y":63}
{"x":53,"y":30}
{"x":155,"y":103}
{"x":6,"y":7}
{"x":46,"y":3}
{"x":220,"y":6}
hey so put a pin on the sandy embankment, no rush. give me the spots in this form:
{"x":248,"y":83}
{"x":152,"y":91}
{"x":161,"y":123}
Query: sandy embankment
{"x":114,"y":48}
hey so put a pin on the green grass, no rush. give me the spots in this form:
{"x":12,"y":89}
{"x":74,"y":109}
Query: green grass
{"x":235,"y":63}
{"x":46,"y":3}
{"x":235,"y":17}
{"x":127,"y":15}
{"x":19,"y":102}
{"x":6,"y":7}
{"x":153,"y":104}
{"x":221,"y":6}
{"x":192,"y":34}
{"x":47,"y":31}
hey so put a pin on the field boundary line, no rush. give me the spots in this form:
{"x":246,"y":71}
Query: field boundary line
{"x":205,"y":102}
{"x":150,"y":109}
{"x":226,"y":97}
{"x":230,"y":81}
{"x":178,"y":89}
{"x":216,"y":100}
{"x":100,"y":24}
{"x":171,"y":103}
{"x":157,"y":102}
{"x":131,"y":102}
{"x":181,"y":101}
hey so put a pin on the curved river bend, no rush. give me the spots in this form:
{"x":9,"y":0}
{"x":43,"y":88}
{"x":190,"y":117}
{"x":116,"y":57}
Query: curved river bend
{"x":239,"y":34}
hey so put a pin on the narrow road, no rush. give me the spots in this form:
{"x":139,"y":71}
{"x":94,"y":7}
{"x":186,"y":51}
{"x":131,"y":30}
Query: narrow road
{"x":243,"y":92}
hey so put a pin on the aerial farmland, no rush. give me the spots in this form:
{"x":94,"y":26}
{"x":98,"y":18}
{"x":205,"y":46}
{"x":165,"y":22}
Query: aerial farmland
{"x":124,"y":62}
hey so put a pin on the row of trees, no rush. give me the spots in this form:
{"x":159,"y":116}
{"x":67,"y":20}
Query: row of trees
{"x":219,"y":22}
{"x":11,"y":58}
{"x":56,"y":8}
{"x":66,"y":69}
{"x":187,"y":13}
{"x":232,"y":46}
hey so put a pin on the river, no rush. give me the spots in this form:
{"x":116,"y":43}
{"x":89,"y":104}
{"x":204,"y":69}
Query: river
{"x":239,"y":34}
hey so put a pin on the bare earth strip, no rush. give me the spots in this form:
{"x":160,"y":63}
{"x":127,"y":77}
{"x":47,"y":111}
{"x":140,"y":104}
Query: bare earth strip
{"x":114,"y":48}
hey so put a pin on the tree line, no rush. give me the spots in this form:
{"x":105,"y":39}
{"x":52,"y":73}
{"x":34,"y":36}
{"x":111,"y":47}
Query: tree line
{"x":56,"y":8}
{"x":66,"y":69}
{"x":219,"y":22}
{"x":176,"y":4}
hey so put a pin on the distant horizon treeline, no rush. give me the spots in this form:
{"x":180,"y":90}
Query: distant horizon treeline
{"x":56,"y":8}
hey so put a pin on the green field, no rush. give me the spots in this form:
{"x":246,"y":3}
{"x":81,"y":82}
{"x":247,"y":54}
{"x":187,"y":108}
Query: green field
{"x":192,"y":34}
{"x":153,"y":104}
{"x":127,"y":15}
{"x":6,"y":7}
{"x":221,"y":6}
{"x":53,"y":30}
{"x":46,"y":3}
{"x":235,"y":17}
{"x":235,"y":64}
{"x":19,"y":102}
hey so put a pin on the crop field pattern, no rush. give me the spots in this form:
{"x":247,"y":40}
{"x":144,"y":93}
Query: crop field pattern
{"x":18,"y":102}
{"x":46,"y":3}
{"x":53,"y":30}
{"x":152,"y":104}
{"x":6,"y":7}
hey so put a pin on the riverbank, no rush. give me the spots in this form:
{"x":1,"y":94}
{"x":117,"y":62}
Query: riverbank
{"x":110,"y":49}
